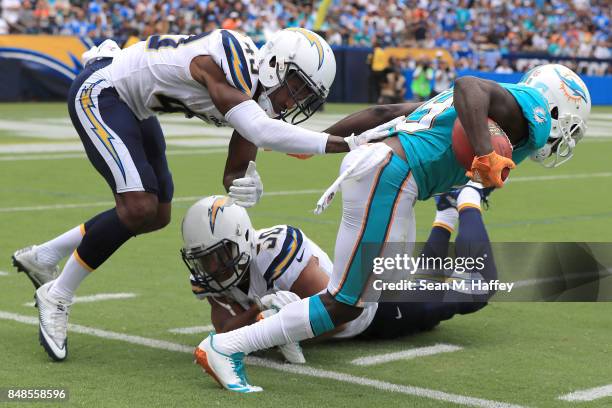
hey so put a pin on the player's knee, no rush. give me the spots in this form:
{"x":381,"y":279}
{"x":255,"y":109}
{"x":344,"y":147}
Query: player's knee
{"x":339,"y":312}
{"x":163,"y":216}
{"x":137,"y":210}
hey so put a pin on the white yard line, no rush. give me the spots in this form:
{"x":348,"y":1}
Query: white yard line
{"x":193,"y":330}
{"x":559,"y":177}
{"x":406,"y":354}
{"x":588,"y":395}
{"x":191,"y":152}
{"x":97,"y":298}
{"x":288,"y":368}
{"x":2,"y":273}
{"x":108,"y":203}
{"x":284,"y":193}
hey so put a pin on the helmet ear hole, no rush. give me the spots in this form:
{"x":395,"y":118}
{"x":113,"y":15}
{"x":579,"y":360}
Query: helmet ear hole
{"x":554,"y":113}
{"x":272,"y":62}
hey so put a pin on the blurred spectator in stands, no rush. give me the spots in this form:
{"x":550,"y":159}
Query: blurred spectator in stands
{"x":504,"y":67}
{"x":10,"y":12}
{"x":467,"y":28}
{"x":4,"y":27}
{"x":232,"y":22}
{"x":421,"y":80}
{"x":393,"y":88}
{"x":444,"y":76}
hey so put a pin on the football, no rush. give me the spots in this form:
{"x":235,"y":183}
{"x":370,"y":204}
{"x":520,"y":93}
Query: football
{"x":465,"y":153}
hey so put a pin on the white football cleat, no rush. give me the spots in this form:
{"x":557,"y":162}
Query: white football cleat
{"x":228,"y":371}
{"x":52,"y":322}
{"x":25,"y":260}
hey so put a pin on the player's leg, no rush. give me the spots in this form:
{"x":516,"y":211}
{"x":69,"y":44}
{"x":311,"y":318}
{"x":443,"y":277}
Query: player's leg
{"x":377,"y":207}
{"x":397,"y":319}
{"x":155,"y":150}
{"x":113,"y":142}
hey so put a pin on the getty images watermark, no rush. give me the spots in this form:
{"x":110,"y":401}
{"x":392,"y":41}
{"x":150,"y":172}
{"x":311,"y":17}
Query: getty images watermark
{"x":427,"y":273}
{"x":484,"y":271}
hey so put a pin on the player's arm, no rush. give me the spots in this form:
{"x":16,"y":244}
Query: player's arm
{"x":227,"y":315}
{"x":368,"y":118}
{"x":474,"y":99}
{"x":311,"y":281}
{"x":251,"y":121}
{"x":240,"y":152}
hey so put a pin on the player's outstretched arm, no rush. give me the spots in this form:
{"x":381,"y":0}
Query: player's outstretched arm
{"x":368,"y":118}
{"x":248,"y":119}
{"x":240,"y":152}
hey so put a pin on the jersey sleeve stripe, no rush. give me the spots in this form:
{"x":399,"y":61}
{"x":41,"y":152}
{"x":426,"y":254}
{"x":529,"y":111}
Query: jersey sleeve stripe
{"x":291,"y":247}
{"x":236,"y":61}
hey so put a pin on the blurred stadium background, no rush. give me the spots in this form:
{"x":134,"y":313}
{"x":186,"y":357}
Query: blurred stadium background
{"x":386,"y":50}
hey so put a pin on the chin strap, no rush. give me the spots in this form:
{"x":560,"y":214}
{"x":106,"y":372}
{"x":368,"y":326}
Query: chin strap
{"x":265,"y":102}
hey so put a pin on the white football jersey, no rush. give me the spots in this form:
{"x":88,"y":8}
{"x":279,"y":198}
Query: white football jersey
{"x":153,"y":76}
{"x":282,"y":252}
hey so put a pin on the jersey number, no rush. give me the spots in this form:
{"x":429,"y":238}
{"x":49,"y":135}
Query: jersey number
{"x":155,"y":42}
{"x":429,"y":112}
{"x":270,"y":237}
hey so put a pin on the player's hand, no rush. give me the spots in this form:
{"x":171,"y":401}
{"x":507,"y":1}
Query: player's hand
{"x":247,"y":191}
{"x":370,"y":135}
{"x":277,"y":300}
{"x":487,"y":169}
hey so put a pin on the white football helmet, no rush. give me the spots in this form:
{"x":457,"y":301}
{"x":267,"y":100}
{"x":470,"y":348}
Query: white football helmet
{"x":569,"y":104}
{"x":296,"y":51}
{"x":217,"y":242}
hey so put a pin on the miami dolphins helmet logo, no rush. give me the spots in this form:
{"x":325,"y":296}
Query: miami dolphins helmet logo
{"x":571,"y":87}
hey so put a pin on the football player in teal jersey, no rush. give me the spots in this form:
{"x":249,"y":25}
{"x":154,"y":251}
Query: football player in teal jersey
{"x":544,"y":116}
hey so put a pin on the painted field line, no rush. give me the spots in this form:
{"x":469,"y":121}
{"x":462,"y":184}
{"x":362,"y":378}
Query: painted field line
{"x":559,"y":177}
{"x":288,"y":368}
{"x":406,"y":354}
{"x":284,"y":193}
{"x":97,"y":298}
{"x":112,"y":203}
{"x":27,"y":157}
{"x":538,"y":281}
{"x":193,"y":329}
{"x":2,"y":273}
{"x":588,"y":395}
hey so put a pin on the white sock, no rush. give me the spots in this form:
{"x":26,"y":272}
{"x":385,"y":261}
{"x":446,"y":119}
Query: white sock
{"x":69,"y":280}
{"x":290,"y":324}
{"x":468,"y":197}
{"x":447,"y":218}
{"x":53,"y":251}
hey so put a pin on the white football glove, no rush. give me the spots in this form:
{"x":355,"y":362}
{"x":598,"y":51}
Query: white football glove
{"x":379,"y":132}
{"x":247,"y":191}
{"x":276,"y":301}
{"x":291,"y":351}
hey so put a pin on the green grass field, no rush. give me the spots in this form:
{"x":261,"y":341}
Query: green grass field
{"x":519,"y":354}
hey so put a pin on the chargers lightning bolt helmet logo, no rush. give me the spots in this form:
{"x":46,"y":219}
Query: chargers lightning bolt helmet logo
{"x":213,"y":211}
{"x":571,"y":88}
{"x":314,"y":41}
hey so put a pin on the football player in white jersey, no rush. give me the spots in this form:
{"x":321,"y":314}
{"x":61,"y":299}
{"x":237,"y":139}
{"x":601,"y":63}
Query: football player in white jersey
{"x":219,"y":77}
{"x":247,"y":274}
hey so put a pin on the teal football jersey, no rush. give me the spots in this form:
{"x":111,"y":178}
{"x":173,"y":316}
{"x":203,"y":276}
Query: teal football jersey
{"x":426,"y":136}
